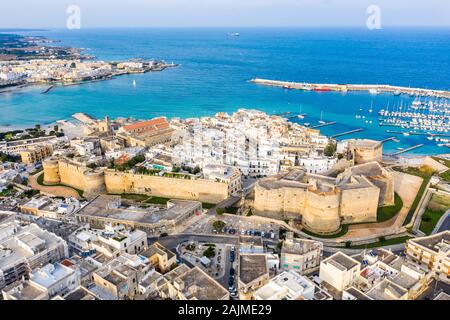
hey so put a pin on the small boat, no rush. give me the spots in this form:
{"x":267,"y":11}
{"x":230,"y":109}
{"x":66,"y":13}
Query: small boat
{"x":373,"y":91}
{"x":322,"y":89}
{"x":306,"y":124}
{"x":430,"y":138}
{"x":134,"y":83}
{"x":233,"y":34}
{"x":406,"y":134}
{"x":397,"y":93}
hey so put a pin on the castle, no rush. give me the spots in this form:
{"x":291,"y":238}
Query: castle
{"x":323,"y":203}
{"x":102,"y":180}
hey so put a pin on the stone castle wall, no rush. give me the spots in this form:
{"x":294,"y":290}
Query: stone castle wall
{"x":100,"y":181}
{"x":369,"y":154}
{"x":320,"y":212}
{"x":359,"y":205}
{"x":200,"y":189}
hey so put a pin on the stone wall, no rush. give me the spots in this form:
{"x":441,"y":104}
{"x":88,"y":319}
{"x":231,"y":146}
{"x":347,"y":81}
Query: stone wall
{"x":359,"y":205}
{"x":188,"y":189}
{"x":368,"y":154}
{"x":319,"y":211}
{"x":98,"y":181}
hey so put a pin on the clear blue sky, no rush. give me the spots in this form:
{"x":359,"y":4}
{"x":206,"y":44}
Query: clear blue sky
{"x":217,"y":13}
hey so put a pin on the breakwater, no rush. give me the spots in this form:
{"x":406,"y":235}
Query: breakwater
{"x":371,"y":88}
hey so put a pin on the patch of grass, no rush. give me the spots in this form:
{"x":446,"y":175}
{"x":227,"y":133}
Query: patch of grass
{"x":446,"y":176}
{"x":382,"y":243}
{"x":343,"y":231}
{"x":437,"y":206}
{"x":386,"y":213}
{"x":40,"y":181}
{"x":157,"y":200}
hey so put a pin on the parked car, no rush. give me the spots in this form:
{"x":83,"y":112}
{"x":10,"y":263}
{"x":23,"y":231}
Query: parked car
{"x":232,"y":271}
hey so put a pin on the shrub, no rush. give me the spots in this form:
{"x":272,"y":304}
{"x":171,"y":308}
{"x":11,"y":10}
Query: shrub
{"x":218,"y":225}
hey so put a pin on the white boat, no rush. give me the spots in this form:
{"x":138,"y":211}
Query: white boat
{"x":374,"y":91}
{"x":134,"y":83}
{"x":406,"y":134}
{"x":430,"y":138}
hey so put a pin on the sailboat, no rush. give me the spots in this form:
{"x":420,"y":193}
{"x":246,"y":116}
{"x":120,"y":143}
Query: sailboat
{"x":301,"y":116}
{"x":321,"y":118}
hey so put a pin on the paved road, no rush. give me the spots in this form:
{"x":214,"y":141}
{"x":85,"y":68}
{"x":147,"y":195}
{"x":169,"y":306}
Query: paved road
{"x":446,"y":224}
{"x":172,"y":241}
{"x":224,"y":204}
{"x":224,"y":280}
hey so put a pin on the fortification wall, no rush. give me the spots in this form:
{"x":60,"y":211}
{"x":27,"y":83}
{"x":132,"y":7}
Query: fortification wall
{"x":202,"y":190}
{"x":386,"y":185}
{"x":288,"y":201}
{"x":365,"y":155}
{"x":359,"y":205}
{"x":72,"y":175}
{"x":51,"y":171}
{"x":321,"y":213}
{"x":99,"y":181}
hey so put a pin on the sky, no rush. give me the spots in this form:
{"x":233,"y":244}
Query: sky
{"x":222,"y":13}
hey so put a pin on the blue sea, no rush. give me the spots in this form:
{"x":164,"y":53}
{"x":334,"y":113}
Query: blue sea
{"x":215,"y":68}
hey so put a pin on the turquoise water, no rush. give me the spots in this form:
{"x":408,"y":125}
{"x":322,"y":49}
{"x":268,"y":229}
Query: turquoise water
{"x":214,"y":72}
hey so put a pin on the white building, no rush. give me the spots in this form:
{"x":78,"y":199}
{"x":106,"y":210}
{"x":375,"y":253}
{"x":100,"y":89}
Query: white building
{"x":56,"y":278}
{"x":340,"y":271}
{"x":317,"y":164}
{"x":288,"y":285}
{"x":110,"y":241}
{"x":432,"y":252}
{"x":28,"y":248}
{"x":300,"y":255}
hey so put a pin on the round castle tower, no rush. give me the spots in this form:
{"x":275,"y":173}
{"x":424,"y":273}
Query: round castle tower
{"x":51,"y":171}
{"x":94,"y":182}
{"x":322,"y":211}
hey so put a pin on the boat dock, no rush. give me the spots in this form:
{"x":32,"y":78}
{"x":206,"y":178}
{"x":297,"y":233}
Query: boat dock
{"x":388,"y":139}
{"x":346,"y":132}
{"x":48,"y":90}
{"x":83,"y":117}
{"x":419,"y":133}
{"x":406,"y":150}
{"x":324,"y":124}
{"x":372,"y":88}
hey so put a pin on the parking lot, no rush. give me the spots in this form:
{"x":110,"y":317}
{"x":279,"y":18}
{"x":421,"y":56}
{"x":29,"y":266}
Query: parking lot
{"x":236,"y":225}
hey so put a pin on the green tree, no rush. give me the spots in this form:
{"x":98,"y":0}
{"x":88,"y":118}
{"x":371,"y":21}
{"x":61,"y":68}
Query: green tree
{"x":218,"y":225}
{"x":220,"y":211}
{"x":330,"y":149}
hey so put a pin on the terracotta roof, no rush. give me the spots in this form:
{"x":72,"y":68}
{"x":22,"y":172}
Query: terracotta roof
{"x":154,"y":124}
